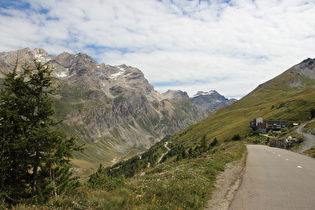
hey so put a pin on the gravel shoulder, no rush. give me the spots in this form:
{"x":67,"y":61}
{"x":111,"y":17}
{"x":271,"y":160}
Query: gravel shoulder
{"x":309,"y":139}
{"x":227,"y":183}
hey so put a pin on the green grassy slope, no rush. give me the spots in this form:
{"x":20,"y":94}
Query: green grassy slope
{"x":235,"y":119}
{"x":288,"y":97}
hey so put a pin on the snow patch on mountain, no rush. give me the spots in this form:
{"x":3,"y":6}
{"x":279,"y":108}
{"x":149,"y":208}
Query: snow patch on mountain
{"x":61,"y":74}
{"x":41,"y":55}
{"x":202,"y":93}
{"x":119,"y":73}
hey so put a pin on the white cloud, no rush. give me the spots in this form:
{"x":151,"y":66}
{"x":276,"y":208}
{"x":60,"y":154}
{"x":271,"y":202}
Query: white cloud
{"x":196,"y":45}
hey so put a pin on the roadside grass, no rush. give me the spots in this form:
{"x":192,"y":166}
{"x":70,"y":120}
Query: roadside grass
{"x":260,"y":139}
{"x":310,"y":152}
{"x":185,"y":184}
{"x":310,"y":128}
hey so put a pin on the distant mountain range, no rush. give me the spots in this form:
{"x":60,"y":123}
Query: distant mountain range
{"x":114,"y":109}
{"x":207,"y":101}
{"x":211,"y":101}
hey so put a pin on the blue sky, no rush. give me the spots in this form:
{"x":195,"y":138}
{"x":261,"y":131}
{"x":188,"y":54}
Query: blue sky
{"x":230,"y":46}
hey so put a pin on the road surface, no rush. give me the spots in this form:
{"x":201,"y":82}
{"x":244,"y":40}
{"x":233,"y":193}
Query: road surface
{"x":276,"y":179}
{"x":168,"y":149}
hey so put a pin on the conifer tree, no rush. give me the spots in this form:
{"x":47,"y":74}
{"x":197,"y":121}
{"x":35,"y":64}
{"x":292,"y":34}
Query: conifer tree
{"x":190,"y":152}
{"x":35,"y":156}
{"x":213,"y":143}
{"x":203,"y":143}
{"x":13,"y":141}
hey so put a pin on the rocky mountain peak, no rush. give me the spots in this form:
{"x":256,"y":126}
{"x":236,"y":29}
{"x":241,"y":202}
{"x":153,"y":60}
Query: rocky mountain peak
{"x":202,"y":93}
{"x":211,"y":101}
{"x":130,"y":78}
{"x":25,"y":55}
{"x":308,"y":61}
{"x":211,"y":95}
{"x":306,"y":68}
{"x":41,"y":55}
{"x":79,"y":64}
{"x":175,"y":94}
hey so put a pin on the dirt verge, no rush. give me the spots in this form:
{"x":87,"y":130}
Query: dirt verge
{"x":227,"y":183}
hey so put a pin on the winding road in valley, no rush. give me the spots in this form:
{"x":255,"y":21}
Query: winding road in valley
{"x":168,"y":149}
{"x":276,"y":179}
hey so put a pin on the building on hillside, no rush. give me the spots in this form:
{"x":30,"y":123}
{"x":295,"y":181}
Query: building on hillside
{"x":258,"y":124}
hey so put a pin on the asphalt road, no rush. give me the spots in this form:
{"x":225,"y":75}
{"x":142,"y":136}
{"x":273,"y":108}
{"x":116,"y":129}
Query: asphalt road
{"x":276,"y":179}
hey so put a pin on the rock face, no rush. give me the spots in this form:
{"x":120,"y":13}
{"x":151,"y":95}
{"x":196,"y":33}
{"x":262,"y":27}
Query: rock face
{"x":306,"y":68}
{"x":175,"y":94}
{"x":211,"y":101}
{"x":300,"y":76}
{"x":286,"y":143}
{"x":113,"y":109}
